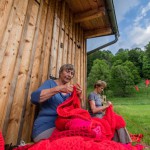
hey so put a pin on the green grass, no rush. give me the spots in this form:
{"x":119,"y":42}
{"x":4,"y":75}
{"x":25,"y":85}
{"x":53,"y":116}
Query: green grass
{"x":135,"y":110}
{"x":137,"y":118}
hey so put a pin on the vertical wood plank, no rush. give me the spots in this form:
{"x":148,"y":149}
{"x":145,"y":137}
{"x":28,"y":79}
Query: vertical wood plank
{"x":70,"y":38}
{"x":73,"y":44}
{"x":61,"y":38}
{"x":5,"y":8}
{"x":66,"y":37}
{"x":34,"y":81}
{"x":82,"y":63}
{"x":6,"y":36}
{"x":9,"y":60}
{"x":54,"y":48}
{"x":47,"y":41}
{"x":79,"y":55}
{"x":76,"y":52}
{"x":85,"y":72}
{"x":17,"y":106}
{"x":73,"y":49}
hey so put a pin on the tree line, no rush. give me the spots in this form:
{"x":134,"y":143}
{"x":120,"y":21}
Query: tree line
{"x":121,"y":71}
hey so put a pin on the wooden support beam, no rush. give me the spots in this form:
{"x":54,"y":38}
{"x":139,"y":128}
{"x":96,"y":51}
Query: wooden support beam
{"x":89,"y":15}
{"x":97,"y":32}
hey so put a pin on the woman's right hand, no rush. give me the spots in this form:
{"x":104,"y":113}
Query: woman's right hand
{"x":65,"y":88}
{"x":108,"y":103}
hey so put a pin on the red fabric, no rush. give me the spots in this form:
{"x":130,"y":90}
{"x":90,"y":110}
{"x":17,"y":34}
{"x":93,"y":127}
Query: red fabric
{"x":147,"y":82}
{"x":136,"y":87}
{"x":71,"y":116}
{"x":25,"y":147}
{"x":1,"y":142}
{"x":77,"y":143}
{"x":136,"y":137}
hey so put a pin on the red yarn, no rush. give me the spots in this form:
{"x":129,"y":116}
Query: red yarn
{"x":71,"y":116}
{"x":136,"y":137}
{"x":78,"y":131}
{"x":1,"y":142}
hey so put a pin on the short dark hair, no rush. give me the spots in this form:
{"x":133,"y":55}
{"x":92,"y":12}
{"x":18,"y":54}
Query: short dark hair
{"x":66,"y":67}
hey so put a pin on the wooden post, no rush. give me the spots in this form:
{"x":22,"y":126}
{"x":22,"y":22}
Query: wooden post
{"x":85,"y":72}
{"x":70,"y":38}
{"x":61,"y":38}
{"x":47,"y":42}
{"x":76,"y":52}
{"x":66,"y":37}
{"x":73,"y":45}
{"x":54,"y":48}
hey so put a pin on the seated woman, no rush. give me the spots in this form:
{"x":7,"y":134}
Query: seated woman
{"x":50,"y":95}
{"x":96,"y":109}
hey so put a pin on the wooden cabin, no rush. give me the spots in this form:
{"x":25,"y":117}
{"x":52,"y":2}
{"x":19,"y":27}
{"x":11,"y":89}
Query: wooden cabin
{"x":36,"y":38}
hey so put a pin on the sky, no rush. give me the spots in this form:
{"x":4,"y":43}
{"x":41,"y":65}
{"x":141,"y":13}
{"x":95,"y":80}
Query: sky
{"x":133,"y":19}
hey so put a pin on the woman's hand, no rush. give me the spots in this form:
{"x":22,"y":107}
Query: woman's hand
{"x":108,"y":104}
{"x":65,"y":88}
{"x":79,"y":90}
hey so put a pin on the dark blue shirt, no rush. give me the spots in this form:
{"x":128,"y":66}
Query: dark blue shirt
{"x":47,"y":114}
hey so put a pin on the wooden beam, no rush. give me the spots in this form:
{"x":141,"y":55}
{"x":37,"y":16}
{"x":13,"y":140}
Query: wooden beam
{"x":89,"y":15}
{"x":97,"y":32}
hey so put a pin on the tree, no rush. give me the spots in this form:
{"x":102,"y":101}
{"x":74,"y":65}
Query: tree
{"x":121,"y":55}
{"x":146,"y":62}
{"x":146,"y":67}
{"x":134,"y":71}
{"x":136,"y":57}
{"x":99,"y":71}
{"x":102,"y":55}
{"x":122,"y":81}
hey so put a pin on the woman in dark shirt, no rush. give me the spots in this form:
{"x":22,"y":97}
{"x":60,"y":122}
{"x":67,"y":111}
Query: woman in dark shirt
{"x":96,"y":109}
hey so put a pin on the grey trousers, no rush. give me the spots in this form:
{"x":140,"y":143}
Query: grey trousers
{"x":121,"y":135}
{"x":44,"y":135}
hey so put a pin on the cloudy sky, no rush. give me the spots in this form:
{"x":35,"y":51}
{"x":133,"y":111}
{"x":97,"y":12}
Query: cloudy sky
{"x":133,"y":18}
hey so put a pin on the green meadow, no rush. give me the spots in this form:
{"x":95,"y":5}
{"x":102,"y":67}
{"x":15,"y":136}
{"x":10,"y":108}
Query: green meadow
{"x":136,"y":111}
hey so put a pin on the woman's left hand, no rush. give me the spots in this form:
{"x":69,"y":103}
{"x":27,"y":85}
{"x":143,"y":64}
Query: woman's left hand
{"x":79,"y":90}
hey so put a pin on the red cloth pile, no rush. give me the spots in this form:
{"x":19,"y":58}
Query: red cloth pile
{"x":76,"y":130}
{"x":73,"y":118}
{"x":1,"y":141}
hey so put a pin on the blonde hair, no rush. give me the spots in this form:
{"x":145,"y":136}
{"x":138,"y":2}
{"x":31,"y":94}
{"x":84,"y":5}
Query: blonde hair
{"x":100,"y":83}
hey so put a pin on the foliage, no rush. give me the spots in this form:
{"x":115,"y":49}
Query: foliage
{"x":100,"y":71}
{"x":133,"y":70}
{"x":122,"y":81}
{"x":146,"y":67}
{"x":135,"y":66}
{"x":102,"y":55}
{"x":121,"y":55}
{"x":136,"y":57}
{"x":146,"y":62}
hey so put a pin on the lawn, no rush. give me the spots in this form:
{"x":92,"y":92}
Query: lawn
{"x":137,"y":118}
{"x":136,"y":111}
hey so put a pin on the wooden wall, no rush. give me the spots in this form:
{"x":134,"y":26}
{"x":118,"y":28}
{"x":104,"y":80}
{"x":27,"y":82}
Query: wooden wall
{"x":37,"y":37}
